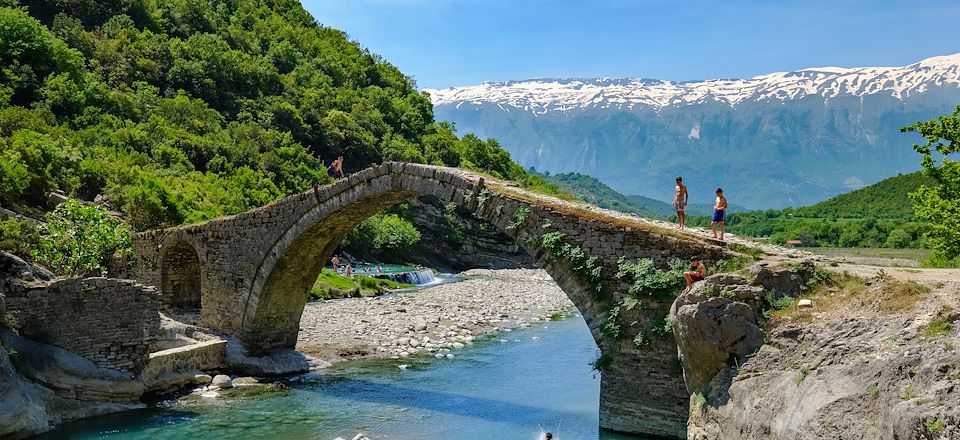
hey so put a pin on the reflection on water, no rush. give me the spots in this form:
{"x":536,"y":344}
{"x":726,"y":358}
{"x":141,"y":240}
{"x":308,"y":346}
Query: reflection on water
{"x":511,"y":388}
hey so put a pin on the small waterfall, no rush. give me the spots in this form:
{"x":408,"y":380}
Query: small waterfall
{"x":418,"y":277}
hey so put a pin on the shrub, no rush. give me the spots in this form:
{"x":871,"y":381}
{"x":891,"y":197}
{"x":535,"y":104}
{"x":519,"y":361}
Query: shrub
{"x":662,"y":326}
{"x":80,"y":240}
{"x":18,"y":238}
{"x":649,"y":280}
{"x":602,"y":361}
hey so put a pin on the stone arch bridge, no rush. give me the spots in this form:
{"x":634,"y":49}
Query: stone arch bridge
{"x":251,"y":272}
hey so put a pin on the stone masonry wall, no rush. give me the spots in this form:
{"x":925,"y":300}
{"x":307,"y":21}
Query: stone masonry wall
{"x":111,"y":322}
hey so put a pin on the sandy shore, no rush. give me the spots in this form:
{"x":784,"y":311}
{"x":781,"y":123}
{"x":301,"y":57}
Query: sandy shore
{"x":435,"y":321}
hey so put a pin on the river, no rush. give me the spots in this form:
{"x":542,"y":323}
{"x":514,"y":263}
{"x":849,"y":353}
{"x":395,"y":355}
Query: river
{"x":508,"y":386}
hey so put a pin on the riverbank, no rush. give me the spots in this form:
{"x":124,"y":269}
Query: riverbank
{"x":437,"y":320}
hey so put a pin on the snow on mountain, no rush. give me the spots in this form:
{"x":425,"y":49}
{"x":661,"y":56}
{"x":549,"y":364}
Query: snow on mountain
{"x":544,"y":95}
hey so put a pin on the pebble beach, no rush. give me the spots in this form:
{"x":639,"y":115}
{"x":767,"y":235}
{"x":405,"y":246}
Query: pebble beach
{"x":436,"y":321}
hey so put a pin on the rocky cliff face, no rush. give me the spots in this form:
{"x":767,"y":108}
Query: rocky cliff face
{"x":881,"y":365}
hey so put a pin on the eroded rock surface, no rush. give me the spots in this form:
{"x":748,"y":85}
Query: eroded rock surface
{"x":715,"y":325}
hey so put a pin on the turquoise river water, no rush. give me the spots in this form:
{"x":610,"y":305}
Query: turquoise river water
{"x":510,"y":386}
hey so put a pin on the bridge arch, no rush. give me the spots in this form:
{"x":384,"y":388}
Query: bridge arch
{"x":257,"y":267}
{"x":181,"y":284}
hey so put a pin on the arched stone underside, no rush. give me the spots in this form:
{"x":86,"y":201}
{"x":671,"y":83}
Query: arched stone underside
{"x":180,"y":276}
{"x":258,"y":267}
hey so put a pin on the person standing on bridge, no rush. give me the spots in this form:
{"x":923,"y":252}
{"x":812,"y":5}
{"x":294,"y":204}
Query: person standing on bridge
{"x":338,"y":167}
{"x":719,"y":213}
{"x":680,"y":199}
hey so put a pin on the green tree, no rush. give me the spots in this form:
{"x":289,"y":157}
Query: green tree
{"x":939,"y":204}
{"x":898,"y":239}
{"x":79,"y":240}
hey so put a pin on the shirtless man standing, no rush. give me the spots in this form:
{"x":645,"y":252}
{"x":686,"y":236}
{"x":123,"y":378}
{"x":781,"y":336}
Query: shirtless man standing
{"x":719,"y":213}
{"x":680,"y":202}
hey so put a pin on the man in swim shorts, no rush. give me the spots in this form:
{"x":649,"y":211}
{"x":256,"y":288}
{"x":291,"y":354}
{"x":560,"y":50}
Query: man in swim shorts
{"x":680,"y":198}
{"x":699,"y":272}
{"x":719,"y":213}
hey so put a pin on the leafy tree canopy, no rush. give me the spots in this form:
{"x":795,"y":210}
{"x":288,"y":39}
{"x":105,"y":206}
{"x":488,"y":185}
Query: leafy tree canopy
{"x":939,"y":203}
{"x":184,"y":110}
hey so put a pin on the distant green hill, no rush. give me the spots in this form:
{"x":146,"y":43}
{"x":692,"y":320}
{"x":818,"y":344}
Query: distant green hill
{"x":879,"y":215}
{"x":885,"y":199}
{"x":595,"y":192}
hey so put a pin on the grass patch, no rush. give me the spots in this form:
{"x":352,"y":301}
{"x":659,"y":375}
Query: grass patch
{"x":256,"y":390}
{"x":938,"y":327}
{"x":699,"y":400}
{"x":841,"y":294}
{"x":934,"y":426}
{"x":330,"y":285}
{"x":903,"y":254}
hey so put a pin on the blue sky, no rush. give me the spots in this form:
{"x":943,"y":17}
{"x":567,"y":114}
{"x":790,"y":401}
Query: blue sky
{"x":444,"y":43}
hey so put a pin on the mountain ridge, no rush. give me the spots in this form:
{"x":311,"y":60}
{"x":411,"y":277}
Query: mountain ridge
{"x":779,"y":140}
{"x":829,"y":82}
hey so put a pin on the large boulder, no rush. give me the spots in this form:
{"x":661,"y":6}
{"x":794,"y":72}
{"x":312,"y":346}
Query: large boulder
{"x":714,"y":329}
{"x":783,"y":281}
{"x":14,"y":267}
{"x":21,"y":407}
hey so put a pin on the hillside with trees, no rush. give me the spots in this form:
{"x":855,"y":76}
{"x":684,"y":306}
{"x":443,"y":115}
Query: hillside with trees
{"x":878,"y":215}
{"x":180,"y":111}
{"x":591,"y":190}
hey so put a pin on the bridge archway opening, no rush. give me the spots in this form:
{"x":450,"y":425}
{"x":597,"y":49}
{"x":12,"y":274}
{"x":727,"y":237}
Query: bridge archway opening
{"x":180,"y":276}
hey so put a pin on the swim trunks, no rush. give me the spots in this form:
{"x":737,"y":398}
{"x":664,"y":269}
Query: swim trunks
{"x":696,"y":276}
{"x":719,"y":215}
{"x":680,"y":205}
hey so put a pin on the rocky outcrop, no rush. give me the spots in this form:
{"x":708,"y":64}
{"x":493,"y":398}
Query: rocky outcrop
{"x":44,"y":386}
{"x":716,"y":326}
{"x":857,"y":378}
{"x":864,"y":375}
{"x":783,"y":281}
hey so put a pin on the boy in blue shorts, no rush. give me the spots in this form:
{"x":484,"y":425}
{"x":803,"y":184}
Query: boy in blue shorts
{"x":719,"y":213}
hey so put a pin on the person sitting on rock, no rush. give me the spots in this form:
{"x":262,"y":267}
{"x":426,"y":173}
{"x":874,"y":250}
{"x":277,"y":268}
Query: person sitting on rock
{"x":699,"y":272}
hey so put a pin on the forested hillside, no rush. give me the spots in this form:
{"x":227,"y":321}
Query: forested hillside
{"x":879,"y":215}
{"x":185,"y":110}
{"x":885,"y":199}
{"x":595,"y":192}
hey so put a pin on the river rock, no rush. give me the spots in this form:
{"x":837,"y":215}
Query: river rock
{"x":244,"y":381}
{"x":202,"y":379}
{"x":710,"y":332}
{"x":210,"y":395}
{"x":222,"y":381}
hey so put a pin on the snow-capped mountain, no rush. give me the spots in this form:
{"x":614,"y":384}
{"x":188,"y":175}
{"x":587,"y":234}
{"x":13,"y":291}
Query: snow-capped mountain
{"x":545,"y":95}
{"x":782,"y":139}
